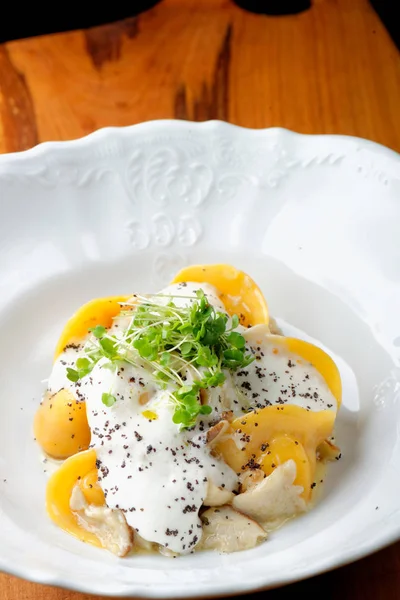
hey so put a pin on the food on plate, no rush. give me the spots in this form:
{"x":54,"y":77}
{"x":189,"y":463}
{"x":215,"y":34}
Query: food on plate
{"x":185,"y":420}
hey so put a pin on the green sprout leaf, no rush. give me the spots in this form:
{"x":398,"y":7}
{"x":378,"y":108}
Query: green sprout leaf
{"x":165,"y":359}
{"x":82,"y":363}
{"x":108,"y":399}
{"x":186,"y":348}
{"x":236,"y":340}
{"x":109,"y":347}
{"x":72,"y":375}
{"x":99,"y":331}
{"x":234,"y":321}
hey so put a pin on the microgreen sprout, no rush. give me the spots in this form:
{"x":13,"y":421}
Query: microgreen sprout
{"x":169,"y":341}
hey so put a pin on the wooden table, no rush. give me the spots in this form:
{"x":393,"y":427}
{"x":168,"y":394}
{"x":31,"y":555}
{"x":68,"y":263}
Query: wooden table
{"x":332,"y":69}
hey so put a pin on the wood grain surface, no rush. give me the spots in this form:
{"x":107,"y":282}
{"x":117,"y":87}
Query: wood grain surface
{"x":331,"y":69}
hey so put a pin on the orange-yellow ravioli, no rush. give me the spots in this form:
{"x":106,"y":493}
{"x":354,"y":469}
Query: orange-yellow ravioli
{"x":79,"y":469}
{"x":60,"y":425}
{"x":100,"y":311}
{"x":275,"y":434}
{"x":312,"y":354}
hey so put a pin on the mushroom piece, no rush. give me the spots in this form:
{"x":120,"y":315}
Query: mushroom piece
{"x":274,"y":327}
{"x":217,"y":496}
{"x":227,"y":530}
{"x":216,"y":432}
{"x":228,"y":415}
{"x":328,"y":451}
{"x":249,"y":478}
{"x":275,"y":497}
{"x":108,"y":524}
{"x":167,"y":552}
{"x":144,"y":398}
{"x":142,"y":544}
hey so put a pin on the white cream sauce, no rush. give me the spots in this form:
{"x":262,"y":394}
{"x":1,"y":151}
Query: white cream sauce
{"x":280,"y":378}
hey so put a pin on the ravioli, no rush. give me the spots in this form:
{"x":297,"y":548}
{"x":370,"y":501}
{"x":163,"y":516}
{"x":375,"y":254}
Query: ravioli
{"x":100,"y":311}
{"x":268,"y":438}
{"x":61,"y":426}
{"x":80,"y":470}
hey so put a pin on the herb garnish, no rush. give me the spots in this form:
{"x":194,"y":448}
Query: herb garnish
{"x":171,"y":341}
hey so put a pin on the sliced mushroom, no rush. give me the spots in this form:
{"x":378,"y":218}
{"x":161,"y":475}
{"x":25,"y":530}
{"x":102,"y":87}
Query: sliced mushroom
{"x":144,"y":398}
{"x":203,"y":396}
{"x":274,"y":327}
{"x":108,"y":525}
{"x":167,"y":552}
{"x":227,"y":530}
{"x":217,"y":496}
{"x":142,"y":544}
{"x":228,"y":415}
{"x":249,"y":478}
{"x":216,"y":432}
{"x":328,"y":451}
{"x":274,"y":497}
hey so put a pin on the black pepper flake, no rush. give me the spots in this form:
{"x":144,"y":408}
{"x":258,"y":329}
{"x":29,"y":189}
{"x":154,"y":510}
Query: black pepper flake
{"x":72,"y":346}
{"x":251,"y":464}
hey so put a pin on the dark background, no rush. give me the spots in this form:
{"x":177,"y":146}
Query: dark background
{"x":20,"y":21}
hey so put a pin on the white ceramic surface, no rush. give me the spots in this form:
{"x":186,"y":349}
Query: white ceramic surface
{"x":314,"y":219}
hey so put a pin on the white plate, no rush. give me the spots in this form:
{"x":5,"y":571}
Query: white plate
{"x":314,"y":219}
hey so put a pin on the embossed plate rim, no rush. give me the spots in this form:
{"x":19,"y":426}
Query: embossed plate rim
{"x":152,"y":126}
